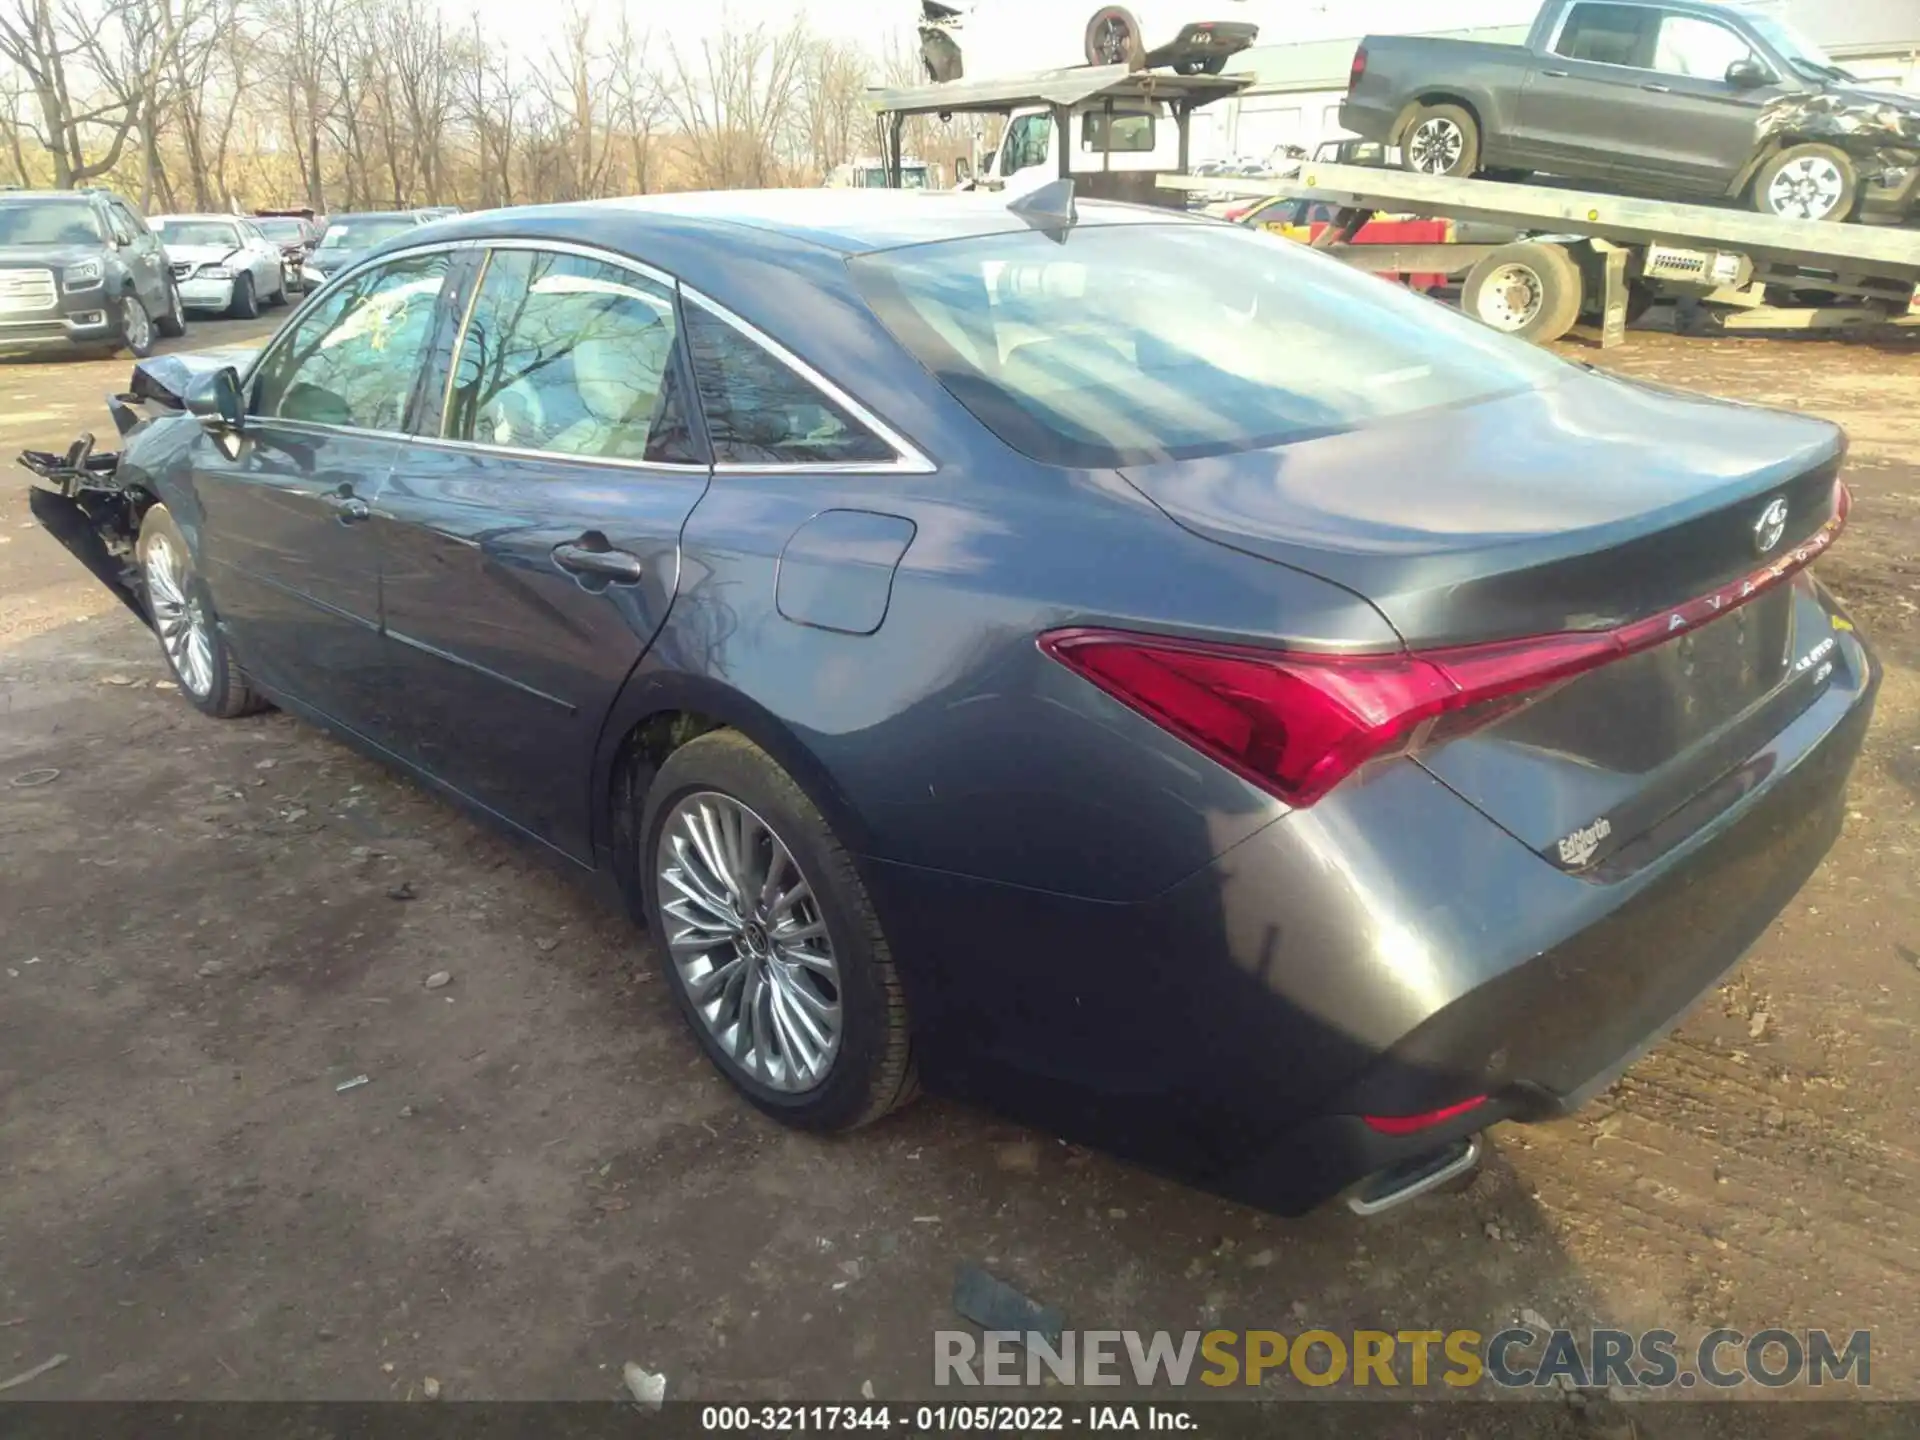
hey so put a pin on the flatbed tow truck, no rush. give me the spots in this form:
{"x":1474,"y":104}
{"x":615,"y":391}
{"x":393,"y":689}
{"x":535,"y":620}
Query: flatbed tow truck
{"x":1089,"y":92}
{"x":1605,"y":257}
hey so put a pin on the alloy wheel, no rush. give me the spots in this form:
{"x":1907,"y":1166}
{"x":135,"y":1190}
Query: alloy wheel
{"x":749,"y":942}
{"x":179,"y":617}
{"x":1436,"y":145}
{"x":1806,"y":189}
{"x":135,"y":327}
{"x":1114,"y":41}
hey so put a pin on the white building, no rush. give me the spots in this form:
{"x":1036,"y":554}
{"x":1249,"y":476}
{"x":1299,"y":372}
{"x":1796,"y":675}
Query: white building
{"x":1303,"y":79}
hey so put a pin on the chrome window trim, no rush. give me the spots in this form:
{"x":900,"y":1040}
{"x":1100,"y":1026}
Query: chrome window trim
{"x":514,"y":452}
{"x":908,"y":459}
{"x":321,"y":427}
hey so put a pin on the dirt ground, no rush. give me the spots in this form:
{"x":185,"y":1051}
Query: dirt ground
{"x":541,"y":1179}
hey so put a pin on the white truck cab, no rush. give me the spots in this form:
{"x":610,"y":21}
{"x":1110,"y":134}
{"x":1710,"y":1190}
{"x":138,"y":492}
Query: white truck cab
{"x":1135,"y":136}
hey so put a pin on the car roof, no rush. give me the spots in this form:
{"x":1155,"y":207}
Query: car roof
{"x":14,"y":197}
{"x":848,"y":221}
{"x":197,"y":215}
{"x":376,"y":215}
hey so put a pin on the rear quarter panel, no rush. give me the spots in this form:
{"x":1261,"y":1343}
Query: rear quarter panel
{"x":1403,"y":70}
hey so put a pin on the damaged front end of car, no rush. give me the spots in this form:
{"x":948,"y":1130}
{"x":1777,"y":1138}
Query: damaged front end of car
{"x":91,"y":500}
{"x":1879,"y":132}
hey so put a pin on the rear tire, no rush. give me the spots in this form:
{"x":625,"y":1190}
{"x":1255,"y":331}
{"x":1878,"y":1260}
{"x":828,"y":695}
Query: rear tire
{"x":180,"y":608}
{"x":869,"y":1069}
{"x":1807,"y":182}
{"x":1531,"y":290}
{"x":245,"y":304}
{"x":1440,"y":140}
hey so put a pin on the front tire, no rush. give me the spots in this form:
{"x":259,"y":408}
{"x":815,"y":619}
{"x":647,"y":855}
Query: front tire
{"x":1807,"y":182}
{"x":1440,"y":140}
{"x":181,"y":611}
{"x":245,"y":304}
{"x":173,"y":324}
{"x":769,"y":939}
{"x":136,"y":327}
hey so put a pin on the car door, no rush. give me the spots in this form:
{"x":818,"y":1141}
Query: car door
{"x":1696,"y":131}
{"x":145,"y":256}
{"x":262,"y":259}
{"x":530,"y":539}
{"x":285,"y":503}
{"x":1580,"y":101}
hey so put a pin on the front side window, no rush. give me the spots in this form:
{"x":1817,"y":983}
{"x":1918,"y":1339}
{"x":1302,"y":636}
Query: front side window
{"x":1132,"y":344}
{"x":1699,"y":49}
{"x":1027,"y":142}
{"x":123,"y":233}
{"x":570,"y":356}
{"x":759,"y":411}
{"x":352,"y":360}
{"x":1605,"y":34}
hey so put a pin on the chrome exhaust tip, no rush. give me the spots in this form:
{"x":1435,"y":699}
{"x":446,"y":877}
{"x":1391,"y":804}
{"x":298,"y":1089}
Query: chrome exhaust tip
{"x":1411,"y":1178}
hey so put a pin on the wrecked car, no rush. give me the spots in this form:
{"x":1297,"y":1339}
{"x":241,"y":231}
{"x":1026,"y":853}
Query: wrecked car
{"x":1683,"y":100}
{"x":1096,"y":662}
{"x":1002,"y":35}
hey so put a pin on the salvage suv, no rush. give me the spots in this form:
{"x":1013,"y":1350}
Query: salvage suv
{"x":80,"y":268}
{"x":1677,"y":98}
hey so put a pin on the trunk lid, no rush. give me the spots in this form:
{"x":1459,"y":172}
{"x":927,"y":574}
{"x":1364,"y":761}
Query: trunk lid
{"x":1593,"y":504}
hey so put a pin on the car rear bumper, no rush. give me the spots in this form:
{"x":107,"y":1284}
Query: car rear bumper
{"x":1386,"y":953}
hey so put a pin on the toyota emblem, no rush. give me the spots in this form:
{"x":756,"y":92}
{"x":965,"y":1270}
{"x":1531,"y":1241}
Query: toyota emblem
{"x":1771,"y":525}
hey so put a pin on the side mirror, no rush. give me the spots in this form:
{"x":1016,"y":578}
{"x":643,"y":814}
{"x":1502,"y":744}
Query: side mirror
{"x":215,"y":399}
{"x":1748,"y":74}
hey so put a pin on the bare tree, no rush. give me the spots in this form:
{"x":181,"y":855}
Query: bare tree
{"x":736,"y":103}
{"x":47,"y":45}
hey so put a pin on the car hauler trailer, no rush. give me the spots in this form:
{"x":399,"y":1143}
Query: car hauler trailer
{"x":1097,"y":125}
{"x":1608,"y":256}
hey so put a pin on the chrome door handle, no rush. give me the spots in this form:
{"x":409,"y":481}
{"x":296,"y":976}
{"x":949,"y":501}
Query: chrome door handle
{"x":1659,"y":89}
{"x":348,"y":506}
{"x":1555,"y":74}
{"x":620,"y":566}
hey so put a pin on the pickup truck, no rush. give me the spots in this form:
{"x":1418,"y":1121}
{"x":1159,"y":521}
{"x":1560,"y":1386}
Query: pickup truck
{"x":1677,"y":99}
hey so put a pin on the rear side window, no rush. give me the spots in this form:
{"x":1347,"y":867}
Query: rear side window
{"x":759,"y":411}
{"x":1132,"y":344}
{"x":571,"y":356}
{"x":1607,"y":35}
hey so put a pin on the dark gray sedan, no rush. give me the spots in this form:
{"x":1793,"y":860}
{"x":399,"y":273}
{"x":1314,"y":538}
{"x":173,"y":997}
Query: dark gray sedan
{"x":1117,"y":667}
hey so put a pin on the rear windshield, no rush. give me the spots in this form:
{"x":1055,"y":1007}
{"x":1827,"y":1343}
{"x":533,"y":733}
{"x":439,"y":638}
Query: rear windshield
{"x":50,"y":222}
{"x":1131,"y":344}
{"x":357,"y":233}
{"x":282,"y":230}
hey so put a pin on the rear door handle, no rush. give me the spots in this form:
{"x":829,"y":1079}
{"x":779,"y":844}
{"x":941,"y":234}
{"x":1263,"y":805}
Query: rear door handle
{"x":620,"y":566}
{"x":1555,"y":74}
{"x":1659,"y":89}
{"x":347,"y":505}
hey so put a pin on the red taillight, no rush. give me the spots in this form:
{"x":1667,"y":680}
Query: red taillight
{"x":1298,"y":724}
{"x":1414,"y":1124}
{"x":1238,"y":212}
{"x":1359,"y":67}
